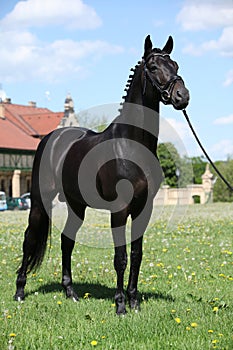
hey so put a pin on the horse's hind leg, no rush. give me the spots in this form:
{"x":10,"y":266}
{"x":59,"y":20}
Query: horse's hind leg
{"x":22,"y":271}
{"x":73,"y":223}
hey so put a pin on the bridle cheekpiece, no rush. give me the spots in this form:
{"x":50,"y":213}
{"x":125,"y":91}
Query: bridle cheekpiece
{"x":165,"y":90}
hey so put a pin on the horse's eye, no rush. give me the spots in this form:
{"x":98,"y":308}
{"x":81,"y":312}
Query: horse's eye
{"x":153,"y":68}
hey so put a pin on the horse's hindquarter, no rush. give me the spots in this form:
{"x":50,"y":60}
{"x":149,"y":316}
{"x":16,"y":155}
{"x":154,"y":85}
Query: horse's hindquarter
{"x":49,"y":159}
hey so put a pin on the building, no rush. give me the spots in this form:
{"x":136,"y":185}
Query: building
{"x":185,"y":196}
{"x":21,"y":129}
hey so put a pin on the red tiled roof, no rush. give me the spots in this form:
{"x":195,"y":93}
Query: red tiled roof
{"x":23,"y":123}
{"x":13,"y":137}
{"x":43,"y":123}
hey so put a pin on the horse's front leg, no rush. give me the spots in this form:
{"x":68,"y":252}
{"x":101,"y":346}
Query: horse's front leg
{"x":140,"y":221}
{"x":118,"y":222}
{"x":135,"y":263}
{"x":68,"y":236}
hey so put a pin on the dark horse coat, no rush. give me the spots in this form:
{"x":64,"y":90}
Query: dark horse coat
{"x":116,"y":169}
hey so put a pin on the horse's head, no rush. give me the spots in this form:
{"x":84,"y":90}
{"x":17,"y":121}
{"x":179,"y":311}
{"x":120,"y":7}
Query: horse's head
{"x":162,"y":71}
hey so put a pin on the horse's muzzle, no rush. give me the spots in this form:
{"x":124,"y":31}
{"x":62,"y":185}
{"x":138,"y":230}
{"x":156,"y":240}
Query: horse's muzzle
{"x":180,"y":97}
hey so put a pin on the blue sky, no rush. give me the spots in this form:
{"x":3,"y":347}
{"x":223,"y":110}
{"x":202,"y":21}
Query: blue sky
{"x":87,"y":47}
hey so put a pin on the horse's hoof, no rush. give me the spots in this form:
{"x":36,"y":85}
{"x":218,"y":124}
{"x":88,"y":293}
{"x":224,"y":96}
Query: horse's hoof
{"x":18,"y":298}
{"x":121,"y":313}
{"x":75,"y":299}
{"x":70,"y":294}
{"x":134,"y":305}
{"x":121,"y":310}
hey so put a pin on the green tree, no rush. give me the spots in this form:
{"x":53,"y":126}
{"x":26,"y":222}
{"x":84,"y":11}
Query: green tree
{"x":178,"y":171}
{"x":221,"y":192}
{"x":186,"y":172}
{"x":199,"y":165}
{"x":170,"y":161}
{"x":95,"y":122}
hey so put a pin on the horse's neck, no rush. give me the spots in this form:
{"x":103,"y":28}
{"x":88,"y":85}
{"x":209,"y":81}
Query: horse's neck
{"x":140,"y":111}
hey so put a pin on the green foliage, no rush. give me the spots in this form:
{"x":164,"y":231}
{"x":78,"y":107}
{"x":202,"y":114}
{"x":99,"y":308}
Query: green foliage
{"x":185,"y":284}
{"x":221,"y":192}
{"x":90,"y":121}
{"x":177,"y":170}
{"x":199,"y":165}
{"x":186,"y":172}
{"x":170,"y":161}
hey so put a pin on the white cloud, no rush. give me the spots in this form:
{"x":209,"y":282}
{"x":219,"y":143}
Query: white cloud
{"x":222,"y":149}
{"x":205,"y":15}
{"x":197,"y":15}
{"x":224,"y":120}
{"x":229,"y":78}
{"x":37,"y":13}
{"x":24,"y":57}
{"x":223,"y":45}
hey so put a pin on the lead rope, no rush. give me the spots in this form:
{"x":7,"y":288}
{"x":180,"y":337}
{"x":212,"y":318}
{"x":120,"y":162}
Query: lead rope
{"x":204,"y":151}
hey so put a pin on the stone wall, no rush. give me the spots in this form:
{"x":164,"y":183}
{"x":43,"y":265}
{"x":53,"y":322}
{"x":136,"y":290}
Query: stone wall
{"x":185,"y":196}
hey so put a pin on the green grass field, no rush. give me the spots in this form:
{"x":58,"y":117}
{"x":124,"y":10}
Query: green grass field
{"x":185,"y":283}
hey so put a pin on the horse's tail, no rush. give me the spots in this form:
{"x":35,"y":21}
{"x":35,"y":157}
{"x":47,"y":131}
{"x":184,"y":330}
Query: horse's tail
{"x":39,"y":223}
{"x":36,"y":236}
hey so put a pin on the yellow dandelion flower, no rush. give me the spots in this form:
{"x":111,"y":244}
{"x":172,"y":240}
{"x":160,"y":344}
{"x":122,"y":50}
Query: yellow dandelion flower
{"x":103,"y":336}
{"x":59,"y":302}
{"x":8,"y":316}
{"x":12,"y":335}
{"x":215,"y":309}
{"x":178,"y":320}
{"x":94,"y":342}
{"x":194,"y":325}
{"x":222,"y":275}
{"x":188,"y":328}
{"x":210,"y":331}
{"x":215,"y":341}
{"x":87,"y":295}
{"x":173,"y":311}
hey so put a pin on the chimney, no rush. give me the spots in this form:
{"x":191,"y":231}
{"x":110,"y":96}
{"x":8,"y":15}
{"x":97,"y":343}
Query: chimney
{"x":32,"y":104}
{"x":2,"y":111}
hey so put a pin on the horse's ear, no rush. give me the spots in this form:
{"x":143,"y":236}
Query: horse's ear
{"x":147,"y":45}
{"x":168,"y":46}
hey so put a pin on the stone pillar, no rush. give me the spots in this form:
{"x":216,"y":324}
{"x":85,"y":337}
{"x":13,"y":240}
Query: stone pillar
{"x":16,"y":183}
{"x":166,"y":195}
{"x":208,"y":184}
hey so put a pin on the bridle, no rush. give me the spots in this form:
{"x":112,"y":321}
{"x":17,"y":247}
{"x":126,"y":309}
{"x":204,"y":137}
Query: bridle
{"x":165,"y":90}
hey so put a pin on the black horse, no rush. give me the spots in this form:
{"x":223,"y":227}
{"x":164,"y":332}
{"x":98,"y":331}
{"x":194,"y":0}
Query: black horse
{"x":116,"y":169}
